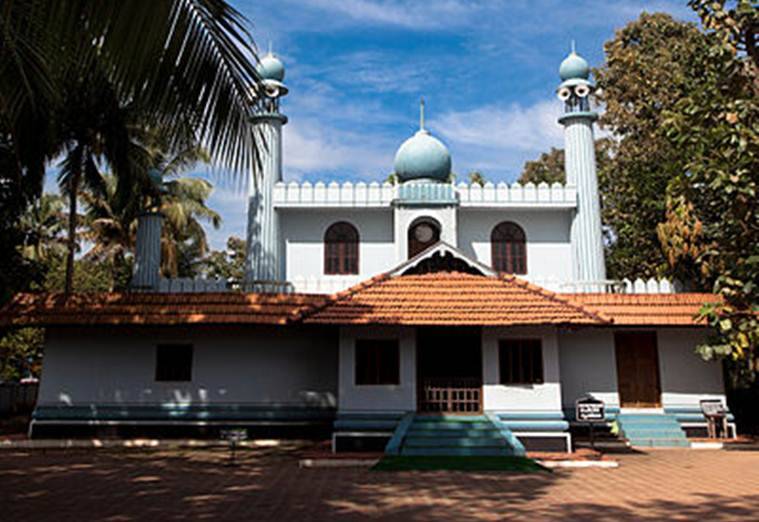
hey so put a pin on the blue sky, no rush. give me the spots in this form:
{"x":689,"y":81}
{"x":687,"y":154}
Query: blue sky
{"x":487,"y":70}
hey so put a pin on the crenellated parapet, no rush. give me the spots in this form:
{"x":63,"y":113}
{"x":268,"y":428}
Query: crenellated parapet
{"x":360,"y":194}
{"x":516,"y":194}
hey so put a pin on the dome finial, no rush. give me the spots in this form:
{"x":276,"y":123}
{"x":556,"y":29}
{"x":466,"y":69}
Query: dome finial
{"x":572,"y":46}
{"x":421,"y":113}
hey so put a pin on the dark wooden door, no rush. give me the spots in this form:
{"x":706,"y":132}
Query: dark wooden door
{"x":638,"y":369}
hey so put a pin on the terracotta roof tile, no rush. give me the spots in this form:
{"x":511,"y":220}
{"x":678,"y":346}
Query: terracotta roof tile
{"x":449,"y":298}
{"x":154,"y":308}
{"x":647,"y":309}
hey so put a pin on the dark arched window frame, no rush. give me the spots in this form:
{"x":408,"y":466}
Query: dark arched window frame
{"x":341,"y":249}
{"x":508,"y":246}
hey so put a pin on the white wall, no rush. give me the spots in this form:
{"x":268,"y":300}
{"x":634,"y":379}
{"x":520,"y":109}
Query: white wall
{"x":686,"y":379}
{"x":521,"y":397}
{"x":588,"y":365}
{"x":254,"y":365}
{"x":385,"y":398}
{"x":549,"y":253}
{"x":303,"y":240}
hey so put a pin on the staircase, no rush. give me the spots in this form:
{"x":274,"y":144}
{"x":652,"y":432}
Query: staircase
{"x":454,"y":435}
{"x":654,"y":430}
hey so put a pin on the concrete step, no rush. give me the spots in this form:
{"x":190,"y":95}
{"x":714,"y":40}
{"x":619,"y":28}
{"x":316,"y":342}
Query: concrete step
{"x":647,"y":418}
{"x":451,"y":425}
{"x":453,"y":433}
{"x":451,"y":442}
{"x":464,"y":452}
{"x":652,"y":431}
{"x":660,"y":443}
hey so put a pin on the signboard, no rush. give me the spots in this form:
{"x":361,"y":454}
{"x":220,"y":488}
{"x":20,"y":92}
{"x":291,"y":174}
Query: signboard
{"x":713,"y":408}
{"x":589,"y":409}
{"x":234,"y":435}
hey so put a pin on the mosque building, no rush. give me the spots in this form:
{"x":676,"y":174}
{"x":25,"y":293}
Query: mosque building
{"x":424,"y":317}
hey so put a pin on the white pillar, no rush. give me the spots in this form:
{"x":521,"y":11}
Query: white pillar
{"x":580,"y":168}
{"x":263,"y":256}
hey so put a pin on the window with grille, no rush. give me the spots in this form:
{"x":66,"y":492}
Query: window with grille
{"x":377,"y":362}
{"x":509,"y":249}
{"x":520,"y":361}
{"x":341,"y":249}
{"x":173,"y":362}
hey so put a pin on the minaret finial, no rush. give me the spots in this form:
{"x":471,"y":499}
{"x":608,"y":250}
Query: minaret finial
{"x":573,"y":46}
{"x":421,"y":113}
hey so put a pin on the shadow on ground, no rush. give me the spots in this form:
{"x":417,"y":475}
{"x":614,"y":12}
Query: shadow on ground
{"x":268,"y":485}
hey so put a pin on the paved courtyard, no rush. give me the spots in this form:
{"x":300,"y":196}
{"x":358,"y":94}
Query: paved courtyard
{"x":268,"y":485}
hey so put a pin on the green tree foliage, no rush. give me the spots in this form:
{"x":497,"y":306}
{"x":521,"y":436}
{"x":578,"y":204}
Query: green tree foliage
{"x":227,"y":264}
{"x":715,"y":126}
{"x":190,"y":65}
{"x":649,"y":67}
{"x":548,"y":168}
{"x":476,"y":177}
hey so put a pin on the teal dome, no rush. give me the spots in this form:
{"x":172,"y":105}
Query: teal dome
{"x":423,"y":156}
{"x":271,"y":68}
{"x":574,"y":67}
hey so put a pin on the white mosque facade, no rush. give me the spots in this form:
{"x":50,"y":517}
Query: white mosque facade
{"x":379,"y":312}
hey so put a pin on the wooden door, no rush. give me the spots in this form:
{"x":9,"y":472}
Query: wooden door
{"x":638,"y":369}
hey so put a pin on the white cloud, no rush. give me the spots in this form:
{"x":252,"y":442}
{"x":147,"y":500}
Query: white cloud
{"x":312,"y":147}
{"x":412,"y":15}
{"x":513,"y":127}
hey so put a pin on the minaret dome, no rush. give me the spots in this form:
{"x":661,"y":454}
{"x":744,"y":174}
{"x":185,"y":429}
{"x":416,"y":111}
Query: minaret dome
{"x":574,"y":67}
{"x":423,"y":157}
{"x":271,"y":68}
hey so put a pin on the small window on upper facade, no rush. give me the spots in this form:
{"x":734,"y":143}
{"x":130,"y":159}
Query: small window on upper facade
{"x":173,"y":362}
{"x":341,"y":249}
{"x":509,"y":249}
{"x":520,"y":361}
{"x":377,"y":362}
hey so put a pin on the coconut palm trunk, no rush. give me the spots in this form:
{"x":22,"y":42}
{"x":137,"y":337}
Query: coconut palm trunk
{"x":73,"y":189}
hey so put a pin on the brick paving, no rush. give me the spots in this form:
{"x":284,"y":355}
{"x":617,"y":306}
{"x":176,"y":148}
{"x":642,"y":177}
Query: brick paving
{"x":268,"y":485}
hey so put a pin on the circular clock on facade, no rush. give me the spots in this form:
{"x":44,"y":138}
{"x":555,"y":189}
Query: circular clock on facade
{"x":424,"y":233}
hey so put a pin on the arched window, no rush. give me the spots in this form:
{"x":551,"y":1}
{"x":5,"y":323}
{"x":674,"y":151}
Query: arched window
{"x":508,"y":247}
{"x":341,"y":249}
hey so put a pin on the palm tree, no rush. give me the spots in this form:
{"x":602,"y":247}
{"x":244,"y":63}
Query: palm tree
{"x":112,"y":228}
{"x":93,"y":130}
{"x":188,"y":64}
{"x":43,"y":226}
{"x":187,"y":60}
{"x":112,"y":214}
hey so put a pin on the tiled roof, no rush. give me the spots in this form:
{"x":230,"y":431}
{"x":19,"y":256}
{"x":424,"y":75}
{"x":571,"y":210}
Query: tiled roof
{"x":154,"y":308}
{"x":646,"y":309}
{"x":442,"y":298}
{"x":450,"y":298}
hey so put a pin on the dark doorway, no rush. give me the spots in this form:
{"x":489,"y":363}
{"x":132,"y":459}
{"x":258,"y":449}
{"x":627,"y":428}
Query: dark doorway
{"x":449,"y":370}
{"x":638,"y":369}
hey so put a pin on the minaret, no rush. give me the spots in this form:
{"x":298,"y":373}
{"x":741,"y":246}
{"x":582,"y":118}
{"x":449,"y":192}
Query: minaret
{"x":580,"y":168}
{"x":262,"y":261}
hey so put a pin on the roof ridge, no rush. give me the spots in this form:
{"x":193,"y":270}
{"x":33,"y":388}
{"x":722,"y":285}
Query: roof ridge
{"x":553,"y":296}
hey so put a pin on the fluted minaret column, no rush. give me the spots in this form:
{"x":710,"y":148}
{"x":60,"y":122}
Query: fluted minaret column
{"x":263,"y":242}
{"x":588,"y":263}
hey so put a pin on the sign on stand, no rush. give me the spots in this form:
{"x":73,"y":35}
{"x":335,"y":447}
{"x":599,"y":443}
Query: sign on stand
{"x":234,"y":437}
{"x":589,"y":409}
{"x":716,"y":418}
